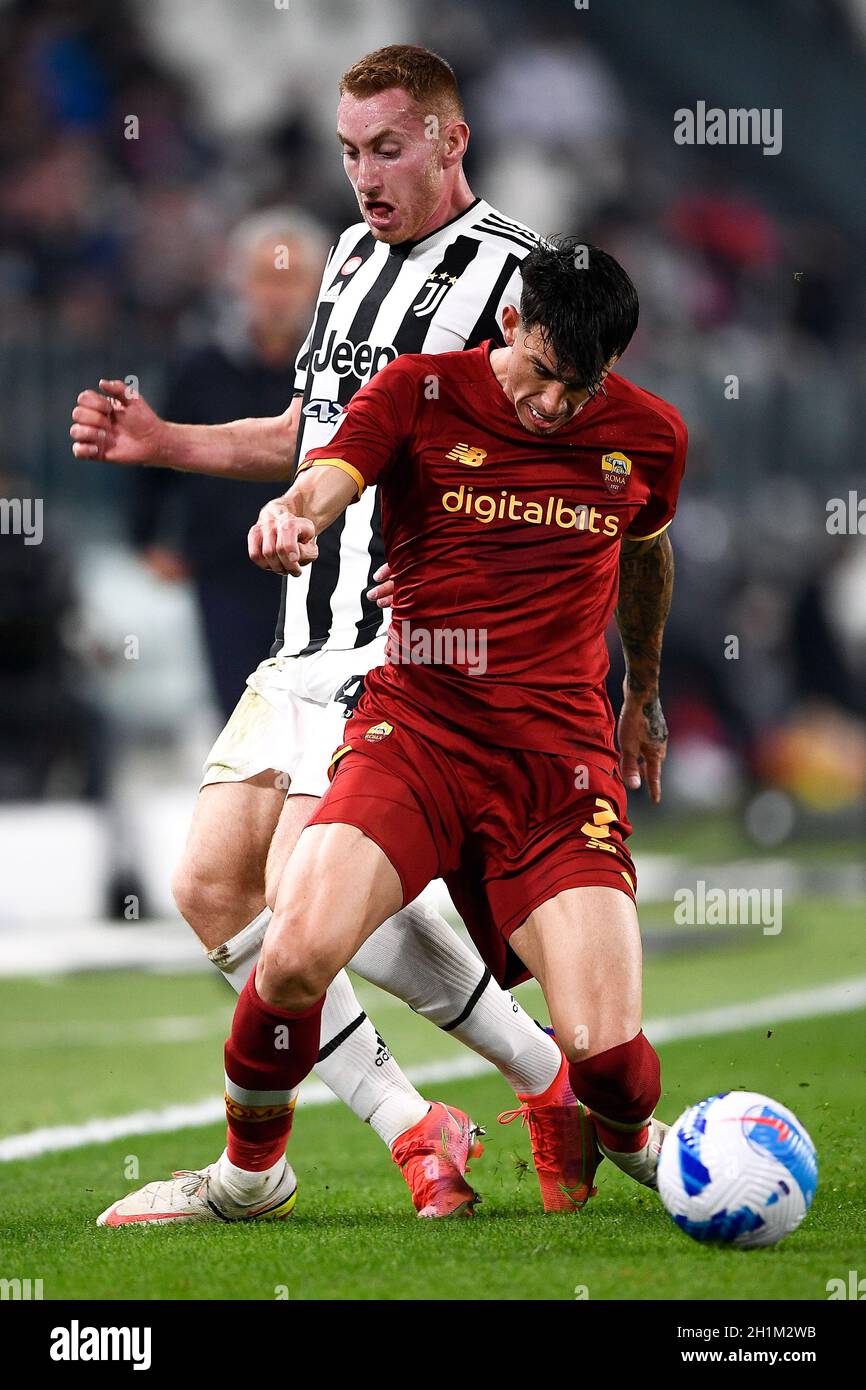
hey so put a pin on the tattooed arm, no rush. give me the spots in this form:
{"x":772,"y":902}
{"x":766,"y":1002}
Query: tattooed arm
{"x":646,"y":580}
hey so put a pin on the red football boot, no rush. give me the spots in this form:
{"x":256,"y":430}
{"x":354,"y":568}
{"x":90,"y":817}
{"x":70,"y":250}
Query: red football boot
{"x":433,"y":1157}
{"x":564,"y":1147}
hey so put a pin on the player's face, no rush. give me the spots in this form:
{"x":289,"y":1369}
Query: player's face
{"x":394,"y":165}
{"x":543,"y":398}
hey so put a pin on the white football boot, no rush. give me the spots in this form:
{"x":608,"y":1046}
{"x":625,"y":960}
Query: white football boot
{"x":642,"y":1165}
{"x":200,"y":1196}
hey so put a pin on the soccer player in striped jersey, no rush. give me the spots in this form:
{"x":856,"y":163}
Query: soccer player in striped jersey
{"x":430,"y":268}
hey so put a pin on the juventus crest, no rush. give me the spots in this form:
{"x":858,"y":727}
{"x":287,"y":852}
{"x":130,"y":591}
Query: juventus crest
{"x":435,"y":289}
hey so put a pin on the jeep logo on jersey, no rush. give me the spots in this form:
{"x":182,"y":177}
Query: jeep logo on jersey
{"x":436,"y":287}
{"x":353,"y":359}
{"x":327,"y":412}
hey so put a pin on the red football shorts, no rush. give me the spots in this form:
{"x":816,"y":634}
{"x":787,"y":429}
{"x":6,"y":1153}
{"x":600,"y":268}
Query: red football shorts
{"x":506,"y":829}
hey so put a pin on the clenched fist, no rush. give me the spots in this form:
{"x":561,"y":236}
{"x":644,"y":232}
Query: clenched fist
{"x":281,"y":540}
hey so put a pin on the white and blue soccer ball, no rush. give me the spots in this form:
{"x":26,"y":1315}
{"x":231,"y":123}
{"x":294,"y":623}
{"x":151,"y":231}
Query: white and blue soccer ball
{"x":738,"y":1169}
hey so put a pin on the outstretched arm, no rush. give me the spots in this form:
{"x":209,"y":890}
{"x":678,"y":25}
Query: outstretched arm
{"x":377,"y":423}
{"x":284,"y":537}
{"x":646,"y":579}
{"x":119,"y":426}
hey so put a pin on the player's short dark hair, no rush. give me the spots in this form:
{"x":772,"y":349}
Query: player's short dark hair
{"x":428,"y":79}
{"x":582,"y":302}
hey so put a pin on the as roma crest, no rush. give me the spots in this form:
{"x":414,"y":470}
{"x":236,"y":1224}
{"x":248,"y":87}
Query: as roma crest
{"x":377,"y":732}
{"x":615,"y":470}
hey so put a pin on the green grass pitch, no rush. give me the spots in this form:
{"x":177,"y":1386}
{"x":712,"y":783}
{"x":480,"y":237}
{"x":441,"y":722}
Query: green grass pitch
{"x":103,"y":1045}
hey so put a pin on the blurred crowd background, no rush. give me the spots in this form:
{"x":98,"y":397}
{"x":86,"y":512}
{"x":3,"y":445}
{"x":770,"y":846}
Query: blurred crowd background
{"x":136,"y":139}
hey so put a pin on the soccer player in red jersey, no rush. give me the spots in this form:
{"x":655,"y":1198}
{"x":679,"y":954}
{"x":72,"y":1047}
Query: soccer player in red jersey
{"x":428,"y":268}
{"x":510,"y":480}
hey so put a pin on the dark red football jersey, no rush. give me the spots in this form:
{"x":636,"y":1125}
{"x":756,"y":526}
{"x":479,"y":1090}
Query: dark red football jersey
{"x":504,"y":545}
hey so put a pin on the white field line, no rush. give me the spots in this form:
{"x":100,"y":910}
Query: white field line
{"x":78,"y":1032}
{"x":201,"y":1112}
{"x":841,"y":997}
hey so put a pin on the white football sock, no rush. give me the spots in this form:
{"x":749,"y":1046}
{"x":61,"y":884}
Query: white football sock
{"x":237,"y":958}
{"x":353,"y":1062}
{"x":643,"y":1165}
{"x":245,"y":1187}
{"x":357,"y":1066}
{"x":418,"y":957}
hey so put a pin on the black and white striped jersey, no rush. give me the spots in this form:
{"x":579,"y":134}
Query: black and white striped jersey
{"x":443,"y":293}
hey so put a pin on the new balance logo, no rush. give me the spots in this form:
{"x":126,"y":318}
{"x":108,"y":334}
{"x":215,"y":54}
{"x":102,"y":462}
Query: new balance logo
{"x":466,"y":453}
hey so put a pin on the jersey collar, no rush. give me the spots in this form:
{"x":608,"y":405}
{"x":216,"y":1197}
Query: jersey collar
{"x":403,"y":249}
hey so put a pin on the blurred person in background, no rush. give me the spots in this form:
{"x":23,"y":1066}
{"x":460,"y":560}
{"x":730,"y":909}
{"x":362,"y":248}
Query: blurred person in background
{"x":97,"y":144}
{"x":193,"y":526}
{"x":579,"y":125}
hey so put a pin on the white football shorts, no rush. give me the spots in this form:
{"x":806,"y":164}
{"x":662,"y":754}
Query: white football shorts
{"x":291,"y":718}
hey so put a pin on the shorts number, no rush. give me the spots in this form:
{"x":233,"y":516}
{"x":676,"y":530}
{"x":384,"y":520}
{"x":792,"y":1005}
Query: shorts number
{"x":597,"y":830}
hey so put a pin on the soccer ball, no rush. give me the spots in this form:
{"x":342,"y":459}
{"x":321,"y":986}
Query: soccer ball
{"x":738,"y":1169}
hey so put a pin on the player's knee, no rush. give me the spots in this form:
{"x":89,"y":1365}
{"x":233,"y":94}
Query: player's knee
{"x":623,"y":1082}
{"x":206,"y":899}
{"x":294,"y":961}
{"x":580,"y":1040}
{"x":598,"y":1029}
{"x":187,"y":891}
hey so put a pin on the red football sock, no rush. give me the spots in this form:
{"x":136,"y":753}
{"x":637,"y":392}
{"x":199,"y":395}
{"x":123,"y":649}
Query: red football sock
{"x":621,"y":1087}
{"x":267,"y":1056}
